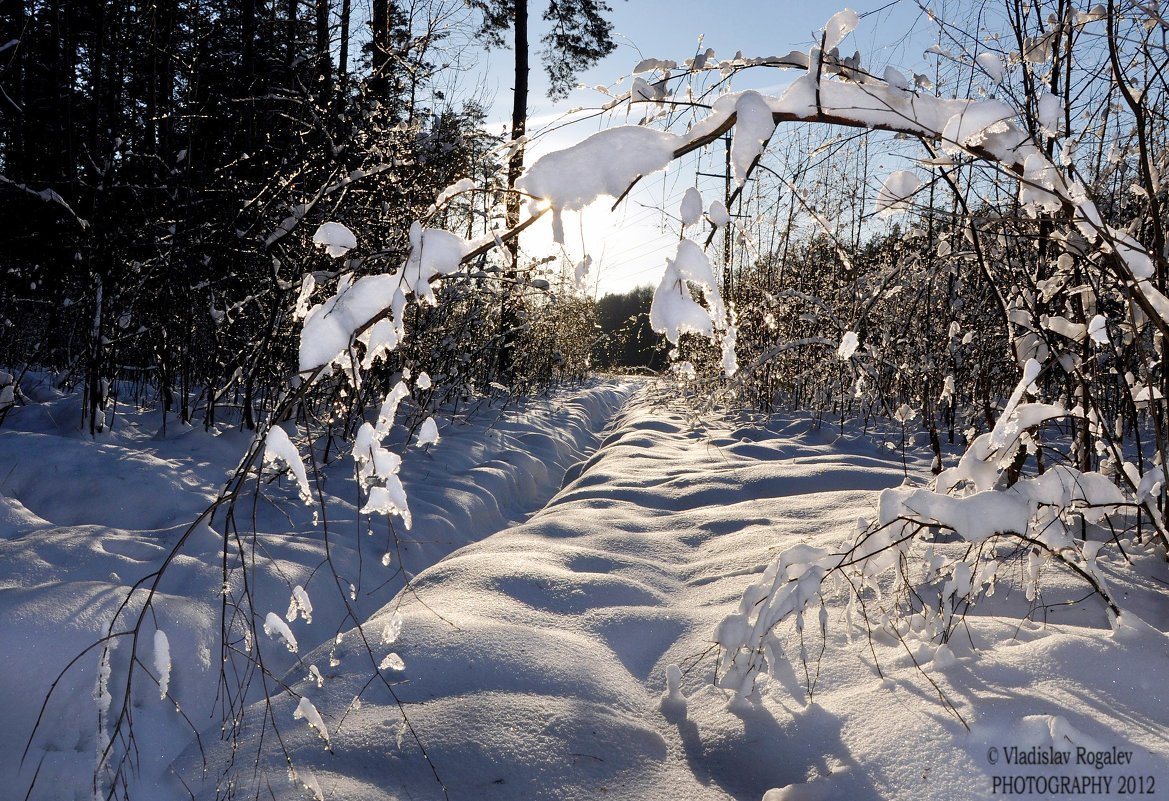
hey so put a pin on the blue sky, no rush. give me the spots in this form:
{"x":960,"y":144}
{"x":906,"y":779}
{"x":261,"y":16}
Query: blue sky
{"x":629,"y":246}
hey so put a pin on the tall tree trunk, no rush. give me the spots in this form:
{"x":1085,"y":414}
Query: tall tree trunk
{"x":324,"y":57}
{"x":290,"y":33}
{"x":248,"y":42}
{"x":381,"y":43}
{"x":515,"y":167}
{"x":12,"y":26}
{"x":343,"y":57}
{"x":519,"y":119}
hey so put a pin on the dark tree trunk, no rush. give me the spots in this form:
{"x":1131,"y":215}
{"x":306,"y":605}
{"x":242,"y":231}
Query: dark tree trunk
{"x":343,"y":57}
{"x":509,"y":320}
{"x":324,"y":57}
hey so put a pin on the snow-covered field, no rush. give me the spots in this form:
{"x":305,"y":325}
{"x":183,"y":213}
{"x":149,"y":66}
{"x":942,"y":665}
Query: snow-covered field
{"x":565,"y":554}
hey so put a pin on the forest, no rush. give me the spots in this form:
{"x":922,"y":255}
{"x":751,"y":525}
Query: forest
{"x":863,"y":497}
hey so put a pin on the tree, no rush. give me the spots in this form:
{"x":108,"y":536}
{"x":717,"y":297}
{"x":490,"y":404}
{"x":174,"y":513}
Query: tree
{"x":579,"y":35}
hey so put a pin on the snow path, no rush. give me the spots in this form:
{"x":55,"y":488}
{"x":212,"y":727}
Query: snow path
{"x":534,"y":647}
{"x":535,"y":659}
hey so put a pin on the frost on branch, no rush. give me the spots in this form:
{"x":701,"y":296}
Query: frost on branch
{"x":274,"y":627}
{"x":896,"y":191}
{"x":604,"y":164}
{"x":306,"y":711}
{"x":162,"y":661}
{"x":674,"y":312}
{"x":335,"y":238}
{"x":279,"y":448}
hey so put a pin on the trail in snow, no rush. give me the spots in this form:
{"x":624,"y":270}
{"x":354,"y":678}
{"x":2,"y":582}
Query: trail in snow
{"x":535,"y":661}
{"x":531,"y":653}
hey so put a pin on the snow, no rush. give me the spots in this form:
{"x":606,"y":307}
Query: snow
{"x":974,"y":124}
{"x":690,"y":209}
{"x":1050,"y":113}
{"x":673,"y":311}
{"x":753,"y":128}
{"x":896,"y":191}
{"x":992,"y":65}
{"x":392,"y":662}
{"x":329,"y":326}
{"x":718,"y":214}
{"x":848,"y":345}
{"x":433,"y":252}
{"x":840,"y":25}
{"x":299,"y":605}
{"x":457,"y":188}
{"x":604,"y":164}
{"x":276,"y":628}
{"x":335,"y":238}
{"x":1098,"y":329}
{"x":278,"y":448}
{"x":427,"y":433}
{"x":306,"y":711}
{"x":70,"y":548}
{"x":162,"y":662}
{"x":584,"y":628}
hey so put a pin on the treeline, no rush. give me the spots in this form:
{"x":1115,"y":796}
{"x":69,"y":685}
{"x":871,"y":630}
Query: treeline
{"x":625,"y":339}
{"x":163,"y":167}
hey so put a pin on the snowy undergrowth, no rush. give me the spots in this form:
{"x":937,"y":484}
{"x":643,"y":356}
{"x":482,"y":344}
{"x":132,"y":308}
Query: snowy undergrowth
{"x":539,"y":662}
{"x":82,"y":519}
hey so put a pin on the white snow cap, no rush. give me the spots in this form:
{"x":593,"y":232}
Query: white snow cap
{"x":718,"y":214}
{"x":1098,"y":329}
{"x":274,"y":627}
{"x":895,"y":193}
{"x":992,"y":65}
{"x":1050,"y":113}
{"x":162,"y":662}
{"x":691,"y":208}
{"x":840,"y":25}
{"x":433,"y":252}
{"x":848,"y":345}
{"x":971,"y":126}
{"x":427,"y":432}
{"x":582,"y":269}
{"x":335,"y":238}
{"x":754,"y":125}
{"x":673,"y":312}
{"x":606,"y":163}
{"x":279,"y":448}
{"x":306,"y":711}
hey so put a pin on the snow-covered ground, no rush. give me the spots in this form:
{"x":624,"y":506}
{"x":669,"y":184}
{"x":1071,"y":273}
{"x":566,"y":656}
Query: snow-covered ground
{"x":534,"y":648}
